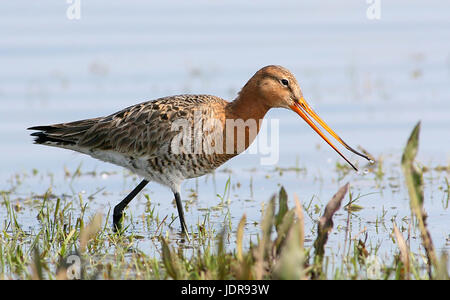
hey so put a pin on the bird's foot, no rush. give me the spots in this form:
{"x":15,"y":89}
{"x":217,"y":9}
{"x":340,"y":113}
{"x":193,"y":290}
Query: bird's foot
{"x":184,"y":230}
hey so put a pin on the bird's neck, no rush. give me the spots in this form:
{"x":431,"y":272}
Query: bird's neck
{"x":245,"y":113}
{"x":247,"y":106}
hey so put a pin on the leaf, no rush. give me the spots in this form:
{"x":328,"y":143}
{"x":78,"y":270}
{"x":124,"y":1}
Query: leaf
{"x":414,"y":183}
{"x":90,"y":231}
{"x":222,"y":270}
{"x":282,"y":207}
{"x":169,"y":260}
{"x":290,"y":265}
{"x":413,"y":175}
{"x":240,"y":237}
{"x":264,"y":243}
{"x":404,"y":253}
{"x":353,"y":207}
{"x":36,"y":267}
{"x":266,"y":225}
{"x":301,"y":220}
{"x":283,"y":229}
{"x":326,"y":221}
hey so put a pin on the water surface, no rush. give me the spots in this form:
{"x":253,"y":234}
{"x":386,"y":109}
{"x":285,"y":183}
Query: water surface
{"x":370,"y":80}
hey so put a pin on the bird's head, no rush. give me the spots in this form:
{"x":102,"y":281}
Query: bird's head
{"x":276,"y":86}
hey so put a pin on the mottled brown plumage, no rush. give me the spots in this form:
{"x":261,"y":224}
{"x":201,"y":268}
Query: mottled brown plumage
{"x":142,"y":137}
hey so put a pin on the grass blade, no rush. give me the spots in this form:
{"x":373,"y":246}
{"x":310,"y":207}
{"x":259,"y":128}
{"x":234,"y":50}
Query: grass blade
{"x":326,"y":221}
{"x":414,"y":182}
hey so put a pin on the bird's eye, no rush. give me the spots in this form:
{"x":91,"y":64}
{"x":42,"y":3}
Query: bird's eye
{"x":284,"y":82}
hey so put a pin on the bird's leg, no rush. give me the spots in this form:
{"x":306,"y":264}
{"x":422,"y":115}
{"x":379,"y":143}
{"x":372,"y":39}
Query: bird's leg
{"x":180,"y":211}
{"x":118,"y":209}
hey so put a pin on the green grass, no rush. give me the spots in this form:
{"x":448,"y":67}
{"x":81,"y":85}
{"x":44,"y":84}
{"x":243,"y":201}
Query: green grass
{"x":70,"y":231}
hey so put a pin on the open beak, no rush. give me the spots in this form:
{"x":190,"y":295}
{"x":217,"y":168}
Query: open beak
{"x":302,"y":108}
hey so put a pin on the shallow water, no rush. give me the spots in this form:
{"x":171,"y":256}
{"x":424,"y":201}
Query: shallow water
{"x":371,"y":81}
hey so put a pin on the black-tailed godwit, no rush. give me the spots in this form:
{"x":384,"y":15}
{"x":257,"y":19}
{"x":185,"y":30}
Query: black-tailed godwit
{"x":146,"y":138}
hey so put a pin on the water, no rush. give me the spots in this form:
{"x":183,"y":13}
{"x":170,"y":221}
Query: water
{"x":371,"y":81}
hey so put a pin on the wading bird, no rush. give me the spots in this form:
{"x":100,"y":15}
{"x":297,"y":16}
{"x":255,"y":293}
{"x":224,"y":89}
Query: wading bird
{"x":145,"y":138}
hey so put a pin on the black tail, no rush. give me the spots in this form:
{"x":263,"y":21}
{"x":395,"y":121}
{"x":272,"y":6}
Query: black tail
{"x":44,"y":136}
{"x":65,"y":134}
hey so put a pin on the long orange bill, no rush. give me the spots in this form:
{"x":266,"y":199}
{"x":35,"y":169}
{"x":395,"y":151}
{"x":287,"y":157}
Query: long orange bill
{"x":305,"y":111}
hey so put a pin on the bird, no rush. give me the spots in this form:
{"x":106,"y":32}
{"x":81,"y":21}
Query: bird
{"x":174,"y":138}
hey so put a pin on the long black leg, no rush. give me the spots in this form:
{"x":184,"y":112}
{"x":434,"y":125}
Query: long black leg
{"x":180,"y":211}
{"x":118,"y":209}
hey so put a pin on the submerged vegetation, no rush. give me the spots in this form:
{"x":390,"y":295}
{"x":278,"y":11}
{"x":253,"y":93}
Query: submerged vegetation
{"x":72,"y":242}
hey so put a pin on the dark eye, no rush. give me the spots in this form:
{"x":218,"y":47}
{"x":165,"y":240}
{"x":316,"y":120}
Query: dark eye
{"x":285,"y":82}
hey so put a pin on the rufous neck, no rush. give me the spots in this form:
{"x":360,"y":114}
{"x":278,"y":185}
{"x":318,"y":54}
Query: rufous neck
{"x":247,"y":106}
